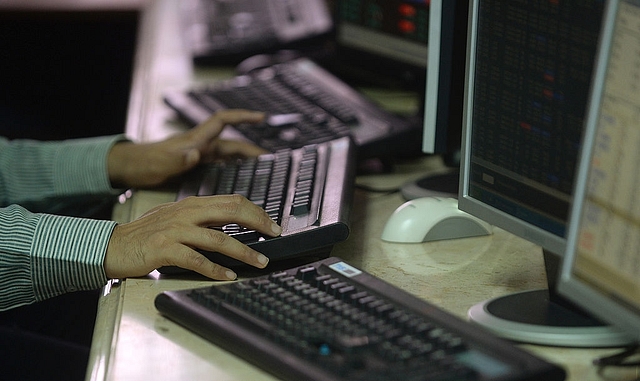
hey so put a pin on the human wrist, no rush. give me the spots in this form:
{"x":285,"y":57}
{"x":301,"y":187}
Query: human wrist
{"x":119,"y":161}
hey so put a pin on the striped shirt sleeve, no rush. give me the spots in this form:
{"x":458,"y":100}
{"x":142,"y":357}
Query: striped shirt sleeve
{"x":43,"y":255}
{"x":34,"y":170}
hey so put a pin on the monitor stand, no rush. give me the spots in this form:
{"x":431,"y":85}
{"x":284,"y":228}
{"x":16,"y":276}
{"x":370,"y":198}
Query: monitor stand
{"x":544,"y":317}
{"x":438,"y":185}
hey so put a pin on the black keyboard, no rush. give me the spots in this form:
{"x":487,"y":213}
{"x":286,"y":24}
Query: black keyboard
{"x":307,"y":191}
{"x":224,"y":31}
{"x":331,"y":321}
{"x":307,"y":105}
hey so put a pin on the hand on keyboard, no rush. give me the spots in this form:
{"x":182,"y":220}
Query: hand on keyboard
{"x":145,"y":165}
{"x":305,"y":190}
{"x":170,"y":234}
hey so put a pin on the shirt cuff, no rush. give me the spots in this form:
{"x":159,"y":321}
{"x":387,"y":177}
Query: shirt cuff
{"x":68,"y":255}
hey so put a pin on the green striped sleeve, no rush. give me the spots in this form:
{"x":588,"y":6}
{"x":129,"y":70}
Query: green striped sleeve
{"x":17,"y":227}
{"x":43,"y":255}
{"x":34,"y":170}
{"x":68,"y":254}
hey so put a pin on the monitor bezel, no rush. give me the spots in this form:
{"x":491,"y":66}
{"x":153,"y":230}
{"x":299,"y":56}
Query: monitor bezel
{"x":441,"y":126}
{"x":432,"y":94}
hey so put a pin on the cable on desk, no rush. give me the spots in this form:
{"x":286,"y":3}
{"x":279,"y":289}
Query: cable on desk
{"x":622,"y":358}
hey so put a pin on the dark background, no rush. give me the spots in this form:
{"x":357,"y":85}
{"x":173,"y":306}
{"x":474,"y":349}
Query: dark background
{"x":65,"y":74}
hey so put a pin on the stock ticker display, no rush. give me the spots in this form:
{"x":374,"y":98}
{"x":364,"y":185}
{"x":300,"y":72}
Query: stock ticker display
{"x":406,"y":19}
{"x":534,"y":62}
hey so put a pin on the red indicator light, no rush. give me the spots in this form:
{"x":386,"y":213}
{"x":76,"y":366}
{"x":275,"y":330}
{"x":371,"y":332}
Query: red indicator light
{"x":406,"y":26}
{"x":407,"y":10}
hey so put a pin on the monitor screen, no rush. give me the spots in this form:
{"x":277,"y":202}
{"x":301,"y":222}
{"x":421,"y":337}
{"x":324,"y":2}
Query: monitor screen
{"x":529,"y":72}
{"x":384,"y":41}
{"x":395,"y":29}
{"x":601,"y":270}
{"x":530,"y":67}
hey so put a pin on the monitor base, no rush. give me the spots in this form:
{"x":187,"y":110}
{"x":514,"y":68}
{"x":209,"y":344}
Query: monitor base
{"x":531,"y":317}
{"x":438,"y":185}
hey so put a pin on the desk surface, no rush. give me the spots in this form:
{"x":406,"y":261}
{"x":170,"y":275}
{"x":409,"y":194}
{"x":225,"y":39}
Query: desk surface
{"x":132,"y":341}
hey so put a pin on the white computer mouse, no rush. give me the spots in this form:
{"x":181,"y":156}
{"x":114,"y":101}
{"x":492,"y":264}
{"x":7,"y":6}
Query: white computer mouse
{"x":431,"y":219}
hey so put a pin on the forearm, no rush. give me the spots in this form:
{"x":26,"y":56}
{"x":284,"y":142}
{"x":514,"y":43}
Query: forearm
{"x":42,"y":256}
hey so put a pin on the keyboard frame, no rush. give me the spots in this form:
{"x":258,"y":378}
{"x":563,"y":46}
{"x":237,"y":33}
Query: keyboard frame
{"x":275,"y":25}
{"x":309,"y":235}
{"x":377,"y":133}
{"x":233,"y":337}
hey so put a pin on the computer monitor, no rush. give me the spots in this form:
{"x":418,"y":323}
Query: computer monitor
{"x":443,"y":99}
{"x":529,"y":73}
{"x":601,"y":267}
{"x":418,"y":45}
{"x":410,"y":45}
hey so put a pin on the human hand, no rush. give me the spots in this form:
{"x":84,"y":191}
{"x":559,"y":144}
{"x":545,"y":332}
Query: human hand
{"x":132,"y":165}
{"x":170,"y":234}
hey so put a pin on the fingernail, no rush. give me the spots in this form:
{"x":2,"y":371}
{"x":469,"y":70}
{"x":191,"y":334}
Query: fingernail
{"x":230,"y":275}
{"x":263,"y":259}
{"x":276,"y":229}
